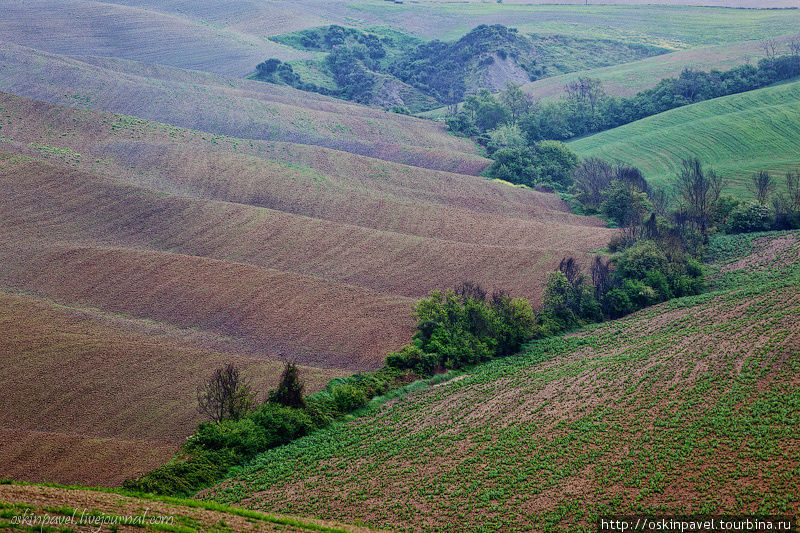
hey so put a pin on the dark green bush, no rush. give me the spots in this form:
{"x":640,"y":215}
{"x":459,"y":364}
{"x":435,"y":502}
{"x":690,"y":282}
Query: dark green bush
{"x":181,"y":476}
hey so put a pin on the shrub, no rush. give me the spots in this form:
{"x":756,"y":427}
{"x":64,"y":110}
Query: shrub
{"x":181,"y":476}
{"x":505,"y":136}
{"x":412,"y":357}
{"x":348,"y":397}
{"x":625,"y":204}
{"x":749,"y":217}
{"x":545,"y":163}
{"x":568,"y":301}
{"x":618,"y":303}
{"x":514,"y":322}
{"x":636,"y":261}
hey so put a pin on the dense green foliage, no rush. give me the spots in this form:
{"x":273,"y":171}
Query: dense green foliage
{"x":463,"y":327}
{"x":546,"y":163}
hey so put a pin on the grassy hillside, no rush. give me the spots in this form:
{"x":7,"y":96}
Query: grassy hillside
{"x":670,"y":26}
{"x":687,"y":407}
{"x":738,"y":135}
{"x":120,"y":511}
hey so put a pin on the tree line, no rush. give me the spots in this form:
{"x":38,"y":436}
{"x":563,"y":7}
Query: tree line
{"x":587,"y":109}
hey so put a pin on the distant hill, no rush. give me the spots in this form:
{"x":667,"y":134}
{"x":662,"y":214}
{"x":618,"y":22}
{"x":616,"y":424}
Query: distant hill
{"x":738,"y":135}
{"x":630,"y":78}
{"x":387,"y":68}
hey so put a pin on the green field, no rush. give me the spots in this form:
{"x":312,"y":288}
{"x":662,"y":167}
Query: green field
{"x":674,"y":27}
{"x":737,"y":135}
{"x":688,"y":407}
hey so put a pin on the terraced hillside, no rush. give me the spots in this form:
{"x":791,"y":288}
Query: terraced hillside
{"x":738,"y":135}
{"x":140,"y":255}
{"x":687,"y":407}
{"x":31,"y":507}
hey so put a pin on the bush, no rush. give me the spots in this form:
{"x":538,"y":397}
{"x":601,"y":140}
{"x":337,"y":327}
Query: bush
{"x":182,"y":476}
{"x":462,"y":327}
{"x":618,"y":303}
{"x":636,"y":261}
{"x":625,"y":204}
{"x":412,"y":357}
{"x":348,"y":397}
{"x":749,"y":217}
{"x":568,"y":301}
{"x":546,"y":163}
{"x":505,"y":136}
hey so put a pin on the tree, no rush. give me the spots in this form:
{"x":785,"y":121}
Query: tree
{"x":587,"y":91}
{"x":762,"y":185}
{"x":290,"y":388}
{"x":226,"y":394}
{"x":592,"y":176}
{"x":699,"y":192}
{"x":770,"y":47}
{"x":505,"y":136}
{"x":793,"y":188}
{"x":660,"y":200}
{"x":515,"y":100}
{"x":486,"y":111}
{"x":625,"y":205}
{"x":794,"y":47}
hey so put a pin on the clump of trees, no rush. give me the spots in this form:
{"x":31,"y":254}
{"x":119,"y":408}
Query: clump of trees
{"x":462,"y":327}
{"x":547,"y":164}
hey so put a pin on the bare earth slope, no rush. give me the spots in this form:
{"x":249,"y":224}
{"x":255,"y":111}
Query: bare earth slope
{"x":228,"y":106}
{"x":136,"y":256}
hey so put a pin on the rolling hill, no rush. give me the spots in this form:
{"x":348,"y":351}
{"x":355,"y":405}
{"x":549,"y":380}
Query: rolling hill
{"x":139,"y":255}
{"x":689,"y":407}
{"x":233,"y":107}
{"x":738,"y":135}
